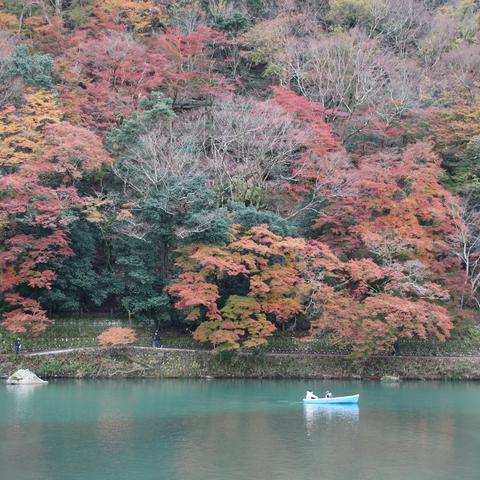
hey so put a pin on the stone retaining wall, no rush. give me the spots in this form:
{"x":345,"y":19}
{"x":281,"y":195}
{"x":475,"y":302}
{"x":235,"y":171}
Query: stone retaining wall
{"x":135,"y":362}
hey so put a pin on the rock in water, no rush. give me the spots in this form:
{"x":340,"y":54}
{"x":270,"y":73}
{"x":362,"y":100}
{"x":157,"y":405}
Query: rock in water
{"x":24,"y":377}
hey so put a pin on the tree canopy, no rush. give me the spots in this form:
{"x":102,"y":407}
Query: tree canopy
{"x":240,"y":166}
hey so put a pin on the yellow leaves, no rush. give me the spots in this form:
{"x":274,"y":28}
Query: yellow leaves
{"x":41,"y":107}
{"x":243,"y":326}
{"x":8,"y":21}
{"x":254,"y":342}
{"x":35,"y":138}
{"x":455,"y":128}
{"x":240,"y":308}
{"x":21,"y":131}
{"x":268,"y":39}
{"x":139,"y":15}
{"x":193,"y":315}
{"x":346,"y":12}
{"x":92,"y":207}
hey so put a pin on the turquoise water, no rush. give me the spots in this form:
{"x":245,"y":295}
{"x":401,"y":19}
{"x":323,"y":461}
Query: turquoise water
{"x":238,"y":430}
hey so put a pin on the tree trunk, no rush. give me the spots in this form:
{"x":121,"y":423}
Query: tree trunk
{"x":58,"y":8}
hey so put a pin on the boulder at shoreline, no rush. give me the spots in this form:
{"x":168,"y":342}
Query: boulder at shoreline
{"x":24,"y":377}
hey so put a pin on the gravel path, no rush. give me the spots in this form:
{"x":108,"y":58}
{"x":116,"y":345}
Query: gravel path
{"x":93,"y":349}
{"x":168,"y":349}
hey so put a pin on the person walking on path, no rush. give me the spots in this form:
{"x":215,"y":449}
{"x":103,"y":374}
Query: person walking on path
{"x":18,"y":346}
{"x":156,"y":339}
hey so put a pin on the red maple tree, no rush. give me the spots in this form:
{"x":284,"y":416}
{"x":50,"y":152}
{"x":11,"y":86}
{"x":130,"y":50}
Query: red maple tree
{"x":266,"y":273}
{"x":361,"y":303}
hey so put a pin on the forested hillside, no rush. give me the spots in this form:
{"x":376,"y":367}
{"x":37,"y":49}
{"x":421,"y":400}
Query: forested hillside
{"x":242,"y":166}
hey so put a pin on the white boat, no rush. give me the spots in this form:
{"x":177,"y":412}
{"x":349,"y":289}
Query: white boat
{"x":332,"y":400}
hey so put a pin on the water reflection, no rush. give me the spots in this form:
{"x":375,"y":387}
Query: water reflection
{"x":23,"y":397}
{"x":317,"y":414}
{"x":23,"y":391}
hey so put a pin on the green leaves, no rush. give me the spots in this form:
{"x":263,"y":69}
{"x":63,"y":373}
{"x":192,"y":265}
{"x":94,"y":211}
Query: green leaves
{"x":152,"y":108}
{"x":36,"y":70}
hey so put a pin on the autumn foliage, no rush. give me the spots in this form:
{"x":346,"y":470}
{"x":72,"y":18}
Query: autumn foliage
{"x":395,"y":196}
{"x":362,"y":303}
{"x":108,"y":73}
{"x":253,"y":165}
{"x":266,"y":272}
{"x":41,"y":158}
{"x":370,"y":306}
{"x":117,"y":336}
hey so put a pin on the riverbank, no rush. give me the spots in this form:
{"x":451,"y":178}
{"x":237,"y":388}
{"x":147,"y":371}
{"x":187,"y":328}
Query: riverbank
{"x":143,"y":362}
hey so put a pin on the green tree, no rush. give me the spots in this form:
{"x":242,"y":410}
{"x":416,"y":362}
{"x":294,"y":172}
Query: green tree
{"x":128,"y":133}
{"x":249,"y":216}
{"x":83,"y":283}
{"x":36,"y":70}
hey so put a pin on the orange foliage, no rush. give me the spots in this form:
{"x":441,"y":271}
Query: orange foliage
{"x":8,"y":21}
{"x":117,"y":336}
{"x":361,"y":302}
{"x":376,"y":322}
{"x":269,"y":268}
{"x":368,"y":306}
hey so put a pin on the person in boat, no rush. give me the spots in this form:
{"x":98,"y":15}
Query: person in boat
{"x":328,"y":394}
{"x":311,"y":396}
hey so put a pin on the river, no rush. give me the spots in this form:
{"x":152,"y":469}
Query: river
{"x":238,"y":430}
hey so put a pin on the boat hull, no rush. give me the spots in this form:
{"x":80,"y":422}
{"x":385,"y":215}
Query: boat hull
{"x":334,"y":400}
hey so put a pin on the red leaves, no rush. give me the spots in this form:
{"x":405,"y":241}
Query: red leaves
{"x":115,"y":72}
{"x":27,"y":313}
{"x":215,"y":259}
{"x":34,"y":199}
{"x":399,"y":208}
{"x":323,"y":172}
{"x":191,"y":64}
{"x":273,"y":270}
{"x":373,"y":324}
{"x":73,"y":150}
{"x":26,"y":254}
{"x":193,"y":291}
{"x":312,"y":115}
{"x":361,"y":302}
{"x":388,"y":206}
{"x":369,"y":307}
